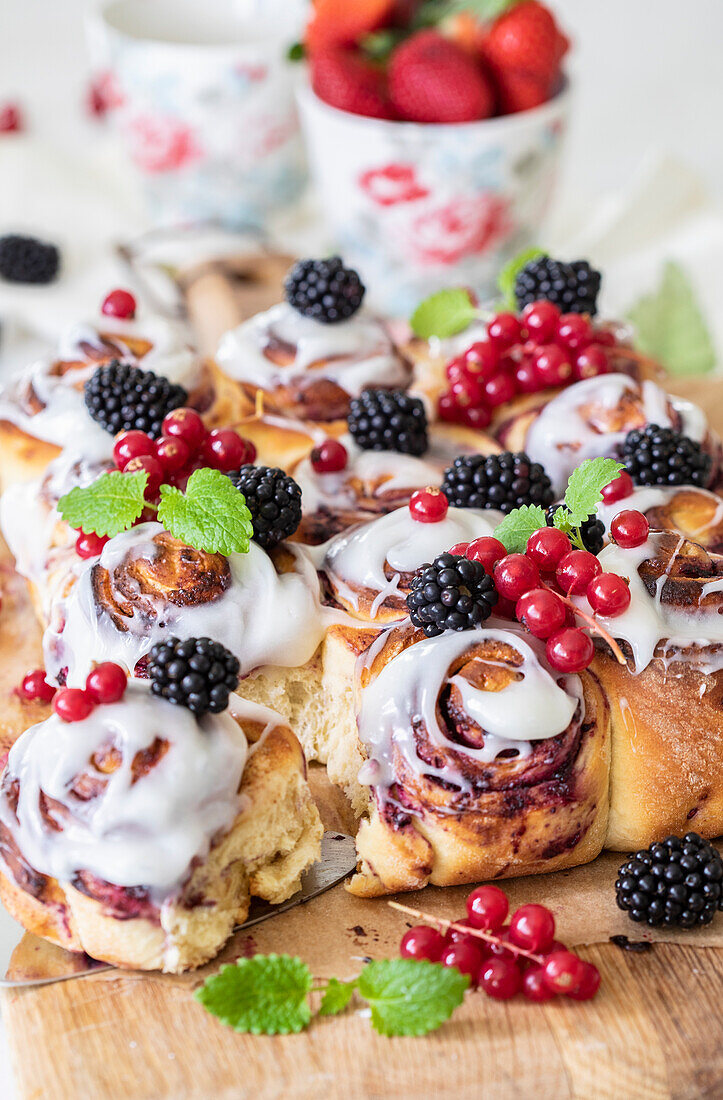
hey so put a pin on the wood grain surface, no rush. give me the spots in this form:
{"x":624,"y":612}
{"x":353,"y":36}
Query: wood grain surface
{"x":654,"y":1031}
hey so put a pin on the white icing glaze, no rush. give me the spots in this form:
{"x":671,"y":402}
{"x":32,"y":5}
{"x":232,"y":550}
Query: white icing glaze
{"x":560,"y":437}
{"x":143,"y":833}
{"x":353,"y":353}
{"x":264,"y":617}
{"x":356,"y":559}
{"x":406,"y":692}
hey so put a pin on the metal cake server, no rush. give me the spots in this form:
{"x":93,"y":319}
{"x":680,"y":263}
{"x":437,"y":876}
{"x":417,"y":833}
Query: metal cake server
{"x":338,"y":859}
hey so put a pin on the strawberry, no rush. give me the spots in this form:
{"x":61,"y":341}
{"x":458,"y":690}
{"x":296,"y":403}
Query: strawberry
{"x":432,"y":79}
{"x":347,"y":81}
{"x":345,"y":22}
{"x":520,"y":91}
{"x":526,"y":39}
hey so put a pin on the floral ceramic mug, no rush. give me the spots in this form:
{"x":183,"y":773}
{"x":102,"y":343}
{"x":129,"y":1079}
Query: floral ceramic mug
{"x":204,"y":104}
{"x":419,"y":207}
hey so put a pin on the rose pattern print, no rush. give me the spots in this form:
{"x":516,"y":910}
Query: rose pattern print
{"x":158,"y":144}
{"x":461,"y":227}
{"x":392,"y":184}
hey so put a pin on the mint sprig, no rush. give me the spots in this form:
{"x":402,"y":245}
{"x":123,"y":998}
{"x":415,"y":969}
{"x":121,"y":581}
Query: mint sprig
{"x":508,"y":276}
{"x":110,"y":505}
{"x":516,"y":528}
{"x":444,"y":314}
{"x":211,"y":515}
{"x":670,"y":326}
{"x":269,"y":995}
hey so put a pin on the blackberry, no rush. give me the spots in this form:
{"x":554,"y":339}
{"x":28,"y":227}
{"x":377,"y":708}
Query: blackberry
{"x":120,"y":397}
{"x":573,"y":287}
{"x":592,"y":531}
{"x":662,"y":456}
{"x":503,"y":481}
{"x":28,"y":260}
{"x":452,"y":593}
{"x":195,"y":673}
{"x":678,"y":882}
{"x":324,"y":290}
{"x":388,"y":420}
{"x":273,"y":499}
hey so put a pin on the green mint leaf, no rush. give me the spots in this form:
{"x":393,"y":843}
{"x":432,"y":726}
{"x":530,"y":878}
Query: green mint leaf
{"x":110,"y":505}
{"x":266,"y":995}
{"x":336,"y":997}
{"x":410,"y":996}
{"x":444,"y":314}
{"x":296,"y":52}
{"x":583,"y":492}
{"x":670,"y":327}
{"x":508,"y":276}
{"x":516,"y":528}
{"x":562,"y":520}
{"x":211,"y":515}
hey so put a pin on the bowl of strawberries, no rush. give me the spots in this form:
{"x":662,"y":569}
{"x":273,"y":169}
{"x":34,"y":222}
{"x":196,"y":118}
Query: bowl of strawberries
{"x":434,"y":136}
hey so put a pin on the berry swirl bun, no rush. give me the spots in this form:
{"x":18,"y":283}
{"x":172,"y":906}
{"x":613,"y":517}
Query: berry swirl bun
{"x":140,"y":833}
{"x":593,"y":417}
{"x":480,"y":761}
{"x":667,"y":722}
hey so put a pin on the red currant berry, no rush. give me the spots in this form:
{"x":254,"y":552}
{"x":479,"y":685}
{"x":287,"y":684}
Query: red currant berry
{"x":224,"y":449}
{"x":552,"y":365}
{"x":89,"y":546}
{"x":589,"y":984}
{"x":500,"y":978}
{"x":455,"y":369}
{"x":574,"y":331}
{"x":575,"y":571}
{"x":564,"y":972}
{"x":570,"y":650}
{"x":487,"y":550}
{"x":428,"y":505}
{"x":119,"y":303}
{"x":534,"y":986}
{"x":329,"y":457}
{"x":487,"y":908}
{"x":540,"y":319}
{"x":467,"y":392}
{"x":589,"y":363}
{"x":514,"y":575}
{"x":501,"y":950}
{"x":481,"y":360}
{"x":72,"y":704}
{"x":476,"y":416}
{"x":422,"y":942}
{"x":448,"y":409}
{"x":526,"y":379}
{"x":608,"y":595}
{"x":106,"y":683}
{"x":620,"y":487}
{"x":154,"y":470}
{"x":546,"y":547}
{"x":629,"y":528}
{"x":604,"y":337}
{"x":173,"y":454}
{"x":533,"y":927}
{"x":465,"y":957}
{"x":34,"y":687}
{"x":130,"y":445}
{"x":541,"y":612}
{"x":499,"y":389}
{"x":504,"y":331}
{"x":187,"y":425}
{"x":453,"y":935}
{"x":460,"y":549}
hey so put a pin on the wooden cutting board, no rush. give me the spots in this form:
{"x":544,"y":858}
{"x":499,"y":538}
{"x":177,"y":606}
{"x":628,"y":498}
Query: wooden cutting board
{"x":654,"y":1031}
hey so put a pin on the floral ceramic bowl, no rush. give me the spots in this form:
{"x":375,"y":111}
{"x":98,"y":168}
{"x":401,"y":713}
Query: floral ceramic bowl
{"x":205,"y":108}
{"x":419,"y":207}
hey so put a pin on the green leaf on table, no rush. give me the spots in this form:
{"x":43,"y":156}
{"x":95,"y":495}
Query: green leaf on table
{"x":264,"y":995}
{"x":516,"y":528}
{"x":670,"y":327}
{"x":110,"y":505}
{"x":444,"y":314}
{"x":336,"y":997}
{"x":584,"y":488}
{"x":211,"y":515}
{"x":410,"y":996}
{"x":508,"y":276}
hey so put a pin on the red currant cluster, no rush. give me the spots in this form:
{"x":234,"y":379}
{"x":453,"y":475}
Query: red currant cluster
{"x":504,"y":959}
{"x":542,"y":347}
{"x":105,"y":684}
{"x":185,"y":445}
